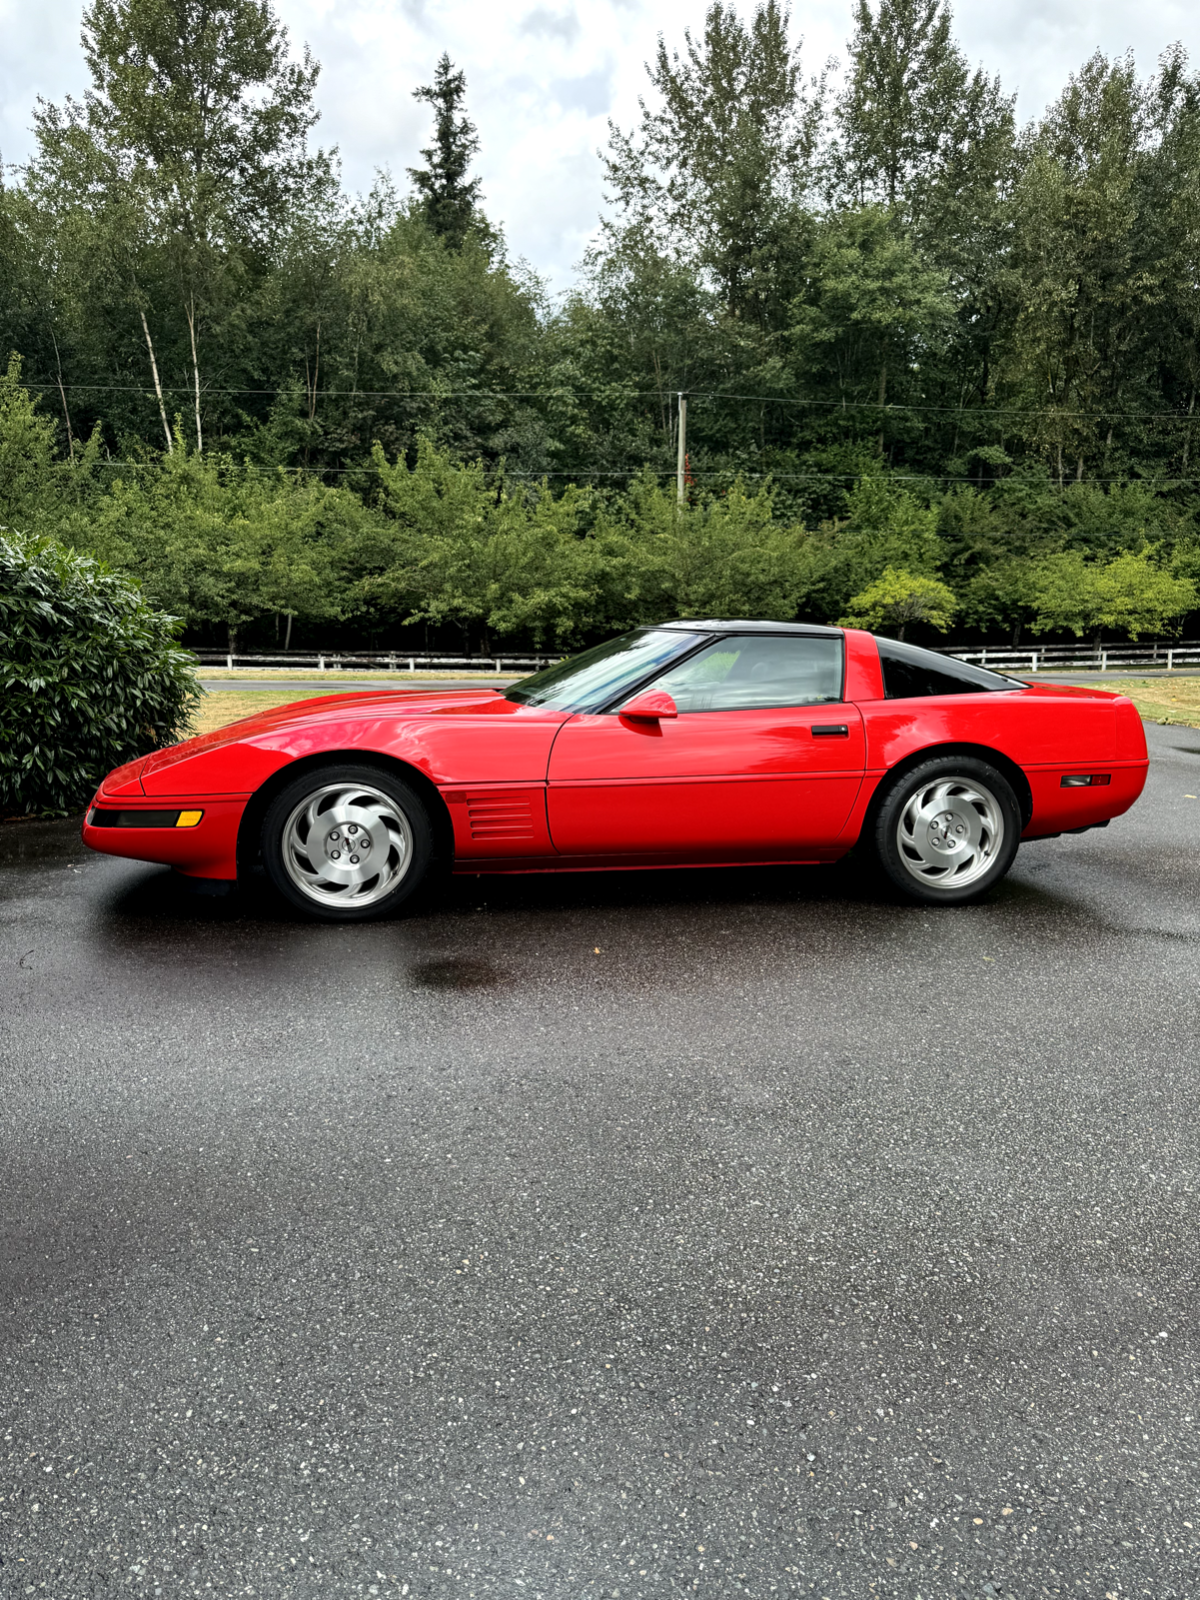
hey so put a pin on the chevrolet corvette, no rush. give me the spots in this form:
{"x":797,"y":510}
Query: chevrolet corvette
{"x":684,"y":744}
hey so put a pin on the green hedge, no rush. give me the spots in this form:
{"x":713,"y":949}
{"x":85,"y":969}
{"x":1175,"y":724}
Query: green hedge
{"x":90,"y":676}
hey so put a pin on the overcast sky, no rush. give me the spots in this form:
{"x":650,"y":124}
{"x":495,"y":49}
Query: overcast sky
{"x":543,"y":76}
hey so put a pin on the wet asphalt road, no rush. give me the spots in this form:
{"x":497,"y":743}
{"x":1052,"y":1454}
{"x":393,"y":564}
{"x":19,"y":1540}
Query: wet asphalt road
{"x":705,"y":1234}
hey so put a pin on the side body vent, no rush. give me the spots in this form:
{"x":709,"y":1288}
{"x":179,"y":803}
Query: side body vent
{"x":504,"y":823}
{"x":496,"y":817}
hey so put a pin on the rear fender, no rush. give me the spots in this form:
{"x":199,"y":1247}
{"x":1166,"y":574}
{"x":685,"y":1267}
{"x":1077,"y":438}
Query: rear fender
{"x":873,"y":791}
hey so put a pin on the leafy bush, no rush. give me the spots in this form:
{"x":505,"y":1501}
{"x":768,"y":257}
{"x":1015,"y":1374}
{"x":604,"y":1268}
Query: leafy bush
{"x":90,"y":676}
{"x":1129,"y":593}
{"x":725,"y":555}
{"x":900,"y":597}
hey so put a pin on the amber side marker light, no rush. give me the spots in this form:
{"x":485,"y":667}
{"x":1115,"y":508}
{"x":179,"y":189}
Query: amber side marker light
{"x":102,"y":817}
{"x":1088,"y":780}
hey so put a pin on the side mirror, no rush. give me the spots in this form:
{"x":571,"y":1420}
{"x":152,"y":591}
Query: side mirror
{"x":650,"y":706}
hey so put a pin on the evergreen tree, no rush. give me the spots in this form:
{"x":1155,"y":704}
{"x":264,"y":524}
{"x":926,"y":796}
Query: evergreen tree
{"x":448,"y":200}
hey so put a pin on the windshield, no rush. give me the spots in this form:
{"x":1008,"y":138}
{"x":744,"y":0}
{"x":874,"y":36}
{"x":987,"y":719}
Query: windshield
{"x":589,"y":681}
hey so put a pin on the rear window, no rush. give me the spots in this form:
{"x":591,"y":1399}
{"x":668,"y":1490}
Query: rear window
{"x":910,"y":673}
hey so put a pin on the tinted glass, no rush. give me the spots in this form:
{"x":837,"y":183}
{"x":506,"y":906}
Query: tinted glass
{"x":760,"y":670}
{"x":589,"y":681}
{"x":910,"y":673}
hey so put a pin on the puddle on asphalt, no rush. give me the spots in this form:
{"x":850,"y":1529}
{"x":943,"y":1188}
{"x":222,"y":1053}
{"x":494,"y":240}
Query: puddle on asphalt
{"x":455,"y":972}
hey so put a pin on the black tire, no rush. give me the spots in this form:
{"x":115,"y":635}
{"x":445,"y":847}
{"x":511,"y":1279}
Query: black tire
{"x":947,"y":831}
{"x":327,"y":875}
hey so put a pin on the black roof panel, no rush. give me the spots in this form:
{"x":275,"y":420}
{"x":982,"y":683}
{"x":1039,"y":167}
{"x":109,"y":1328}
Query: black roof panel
{"x":744,"y":625}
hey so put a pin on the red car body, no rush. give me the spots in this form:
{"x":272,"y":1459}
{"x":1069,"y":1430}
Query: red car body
{"x":523,"y":788}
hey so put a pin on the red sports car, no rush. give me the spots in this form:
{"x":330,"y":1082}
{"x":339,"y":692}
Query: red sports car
{"x":693,"y":743}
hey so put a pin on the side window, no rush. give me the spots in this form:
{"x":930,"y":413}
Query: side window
{"x":911,"y":673}
{"x":756,"y":671}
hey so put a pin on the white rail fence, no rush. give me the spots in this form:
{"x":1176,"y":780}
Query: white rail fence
{"x":1083,"y":658}
{"x":1039,"y":658}
{"x":353,"y":661}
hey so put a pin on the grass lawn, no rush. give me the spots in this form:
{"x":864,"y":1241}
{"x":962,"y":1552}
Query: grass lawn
{"x":229,"y":705}
{"x":337,"y":679}
{"x":1161,"y":699}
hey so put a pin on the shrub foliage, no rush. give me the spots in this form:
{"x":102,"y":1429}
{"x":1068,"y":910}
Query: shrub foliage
{"x":90,"y":676}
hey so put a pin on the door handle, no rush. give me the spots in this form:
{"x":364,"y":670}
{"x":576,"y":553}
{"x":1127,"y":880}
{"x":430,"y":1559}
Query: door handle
{"x":830,"y":730}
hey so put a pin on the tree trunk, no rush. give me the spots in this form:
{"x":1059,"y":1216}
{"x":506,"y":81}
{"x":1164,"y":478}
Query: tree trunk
{"x":191,"y":318}
{"x":233,"y":633}
{"x":312,"y":393}
{"x":162,"y":410}
{"x":1016,"y":633}
{"x":662,"y":402}
{"x":1187,"y":437}
{"x":882,"y":400}
{"x":63,"y":397}
{"x":287,"y":638}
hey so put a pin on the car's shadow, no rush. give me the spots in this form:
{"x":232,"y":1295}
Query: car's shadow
{"x":147,"y":903}
{"x":161,"y":895}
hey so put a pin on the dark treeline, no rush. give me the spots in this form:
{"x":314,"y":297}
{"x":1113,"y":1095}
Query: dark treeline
{"x":941,"y":369}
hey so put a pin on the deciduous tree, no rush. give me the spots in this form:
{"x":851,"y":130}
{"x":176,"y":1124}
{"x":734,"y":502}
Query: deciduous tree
{"x":897,"y":599}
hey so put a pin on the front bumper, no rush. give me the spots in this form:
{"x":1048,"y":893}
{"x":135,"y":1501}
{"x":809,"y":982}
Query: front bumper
{"x":150,"y":831}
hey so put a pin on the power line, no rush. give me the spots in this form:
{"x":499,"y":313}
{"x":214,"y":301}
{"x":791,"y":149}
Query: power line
{"x":662,"y":396}
{"x":724,"y":473}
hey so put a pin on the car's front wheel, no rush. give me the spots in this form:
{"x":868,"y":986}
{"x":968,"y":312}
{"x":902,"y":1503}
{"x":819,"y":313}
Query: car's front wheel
{"x":347,"y":843}
{"x":948,"y":830}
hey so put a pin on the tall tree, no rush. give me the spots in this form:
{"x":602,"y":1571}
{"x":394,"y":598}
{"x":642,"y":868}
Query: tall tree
{"x":1170,"y":217}
{"x":201,"y":94}
{"x":448,"y":198}
{"x":1087,"y":277}
{"x":912,"y":112}
{"x":871,"y":309}
{"x":715,"y":170}
{"x":921,"y":134}
{"x":196,"y":124}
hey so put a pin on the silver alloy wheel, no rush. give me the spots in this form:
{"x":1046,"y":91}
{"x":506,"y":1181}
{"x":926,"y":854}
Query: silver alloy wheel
{"x":950,"y":832}
{"x":347,"y":844}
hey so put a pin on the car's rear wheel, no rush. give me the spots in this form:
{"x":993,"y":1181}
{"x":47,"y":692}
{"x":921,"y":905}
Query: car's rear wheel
{"x":948,"y":830}
{"x":347,"y":843}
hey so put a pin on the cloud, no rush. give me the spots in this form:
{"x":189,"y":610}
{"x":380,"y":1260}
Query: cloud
{"x":544,"y":24}
{"x":543,"y":77}
{"x":591,"y":93}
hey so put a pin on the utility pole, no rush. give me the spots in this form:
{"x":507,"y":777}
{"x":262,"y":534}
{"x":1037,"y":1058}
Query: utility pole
{"x":681,"y":456}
